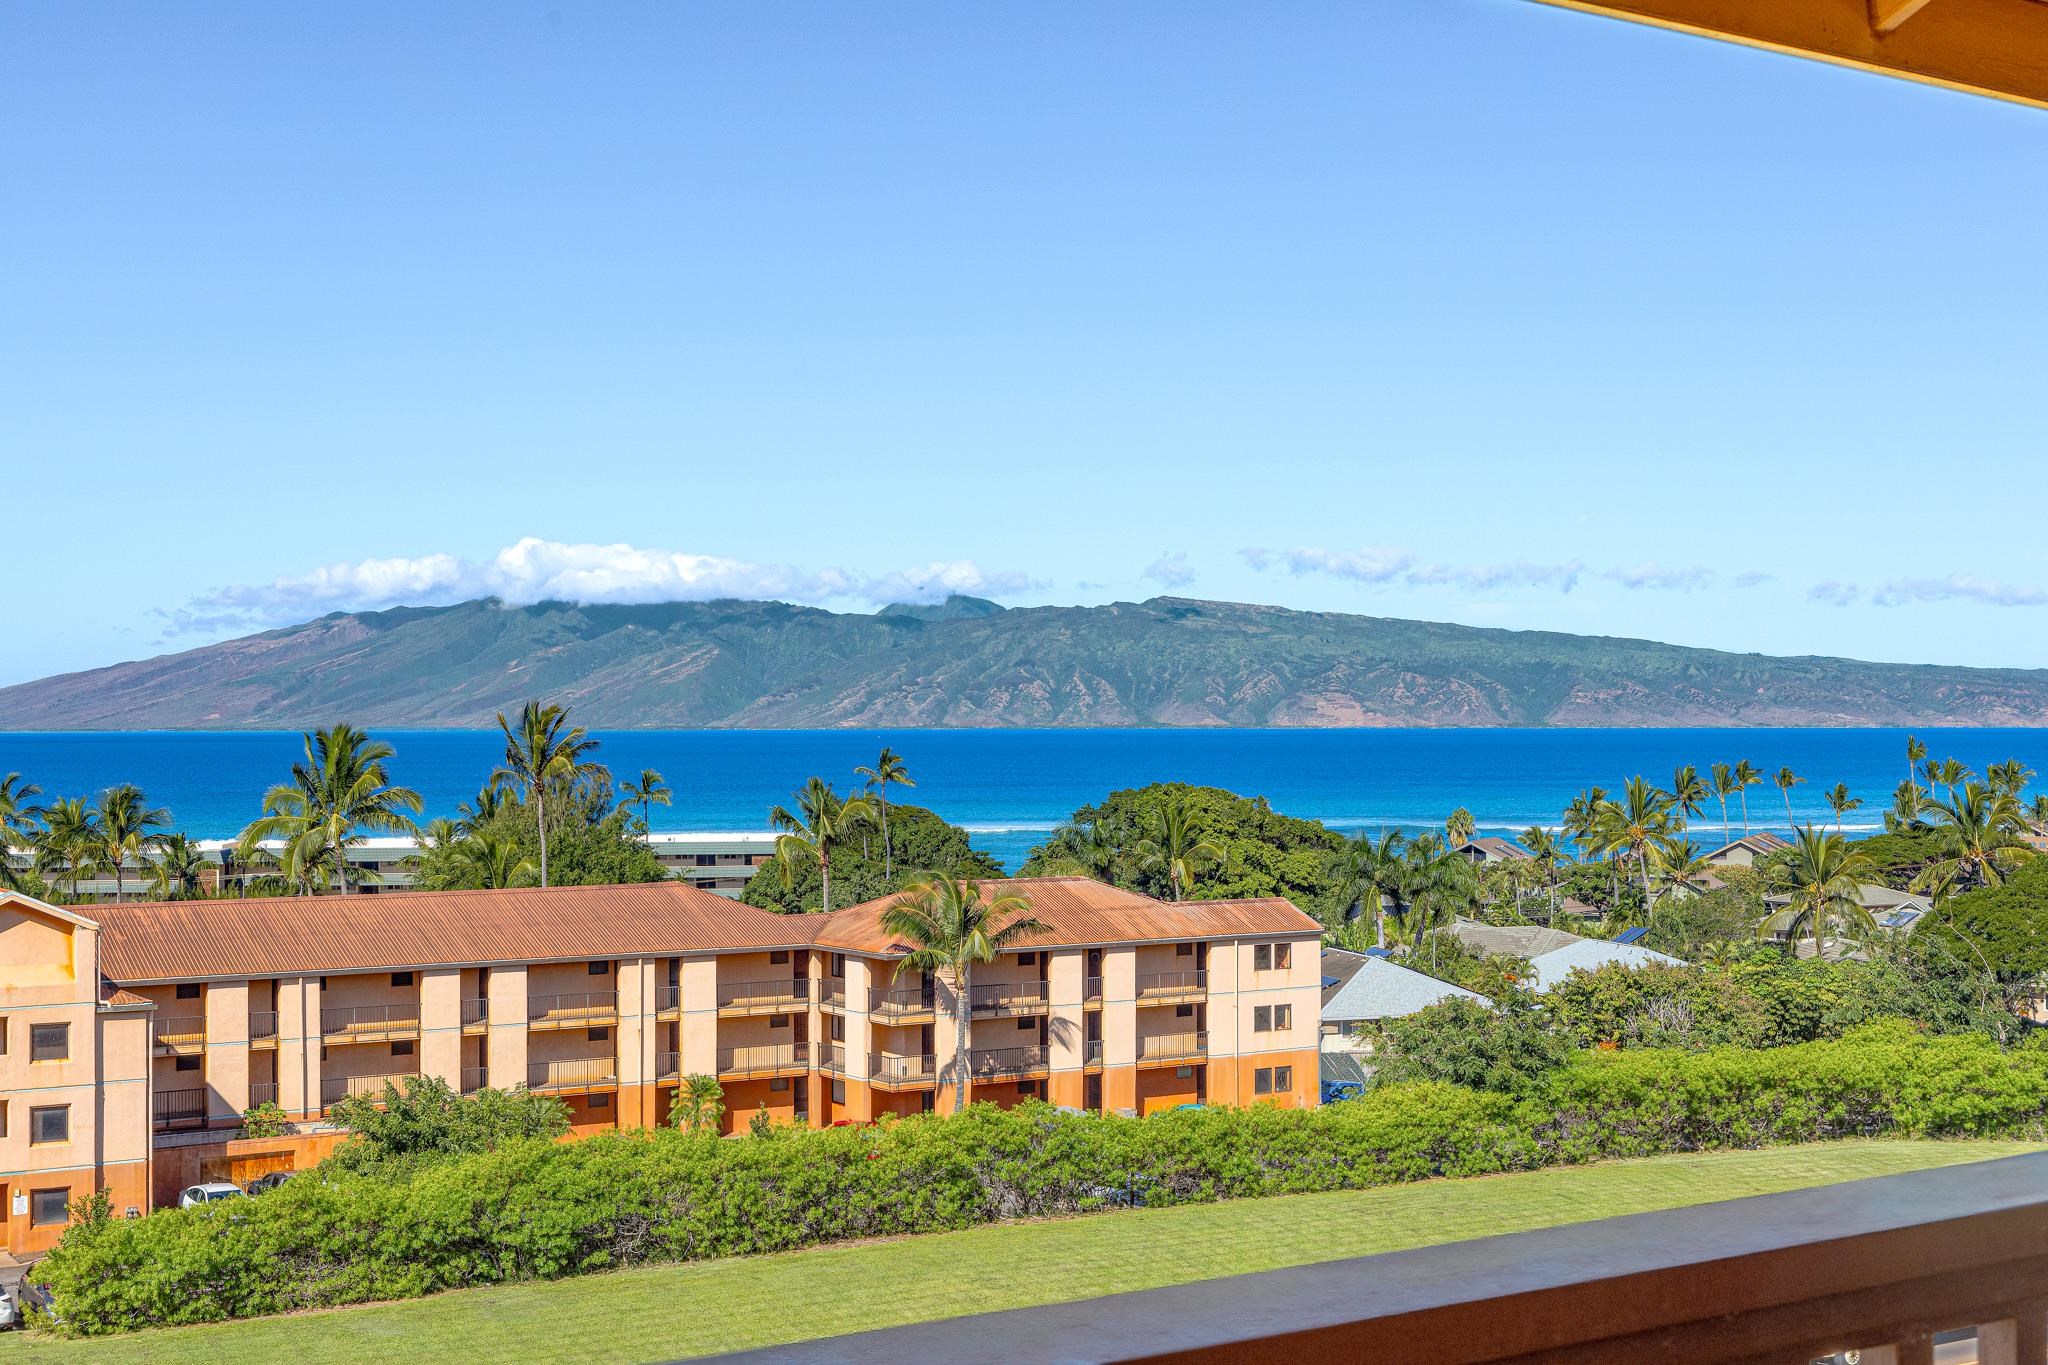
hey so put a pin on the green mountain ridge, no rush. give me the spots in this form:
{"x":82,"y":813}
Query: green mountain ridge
{"x":1164,"y":662}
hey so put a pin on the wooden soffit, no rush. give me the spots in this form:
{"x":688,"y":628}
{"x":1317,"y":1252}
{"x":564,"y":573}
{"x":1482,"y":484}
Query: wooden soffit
{"x":1988,"y":47}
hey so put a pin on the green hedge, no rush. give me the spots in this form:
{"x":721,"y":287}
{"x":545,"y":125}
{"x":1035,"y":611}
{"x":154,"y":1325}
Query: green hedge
{"x":536,"y":1209}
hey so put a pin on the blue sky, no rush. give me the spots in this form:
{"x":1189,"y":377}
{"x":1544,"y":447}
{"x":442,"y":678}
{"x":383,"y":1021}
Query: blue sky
{"x":1469,"y":310}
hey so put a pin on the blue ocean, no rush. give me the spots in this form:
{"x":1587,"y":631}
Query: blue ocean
{"x":1009,"y":787}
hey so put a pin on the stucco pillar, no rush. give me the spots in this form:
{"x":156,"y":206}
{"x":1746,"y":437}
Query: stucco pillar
{"x":1119,"y":1029}
{"x":441,"y":1025}
{"x":227,"y":1051}
{"x":945,"y":1041}
{"x":505,"y":1039}
{"x":635,"y":1040}
{"x":1067,"y":1029}
{"x":698,"y":1040}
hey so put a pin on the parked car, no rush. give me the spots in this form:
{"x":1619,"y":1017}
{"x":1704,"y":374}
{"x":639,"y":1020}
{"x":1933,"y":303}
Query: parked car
{"x":210,"y":1192}
{"x":270,"y":1182}
{"x":10,"y":1316}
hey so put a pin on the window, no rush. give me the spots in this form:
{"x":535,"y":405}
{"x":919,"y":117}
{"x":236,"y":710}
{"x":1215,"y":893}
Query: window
{"x":1283,"y":956}
{"x":600,"y":1101}
{"x":839,"y":1092}
{"x":779,"y":957}
{"x":778,"y":1021}
{"x":1027,"y":1087}
{"x":189,"y":990}
{"x":3,"y":1035}
{"x":1027,"y":1023}
{"x":401,"y":1049}
{"x":1183,"y":1011}
{"x":838,"y":1028}
{"x":51,"y":1124}
{"x":778,"y":1083}
{"x":186,"y":1064}
{"x":839,"y":964}
{"x":1283,"y":1079}
{"x":1283,"y":1017}
{"x":1184,"y":1073}
{"x":401,"y":978}
{"x":47,"y":1208}
{"x":49,"y":1042}
{"x":1183,"y":950}
{"x":1262,"y":957}
{"x":1262,"y":1081}
{"x":600,"y":968}
{"x":3,"y":1120}
{"x":1027,"y":959}
{"x":1262,"y":1019}
{"x":597,"y":1035}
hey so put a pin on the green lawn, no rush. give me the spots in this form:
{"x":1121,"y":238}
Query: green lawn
{"x":659,"y":1312}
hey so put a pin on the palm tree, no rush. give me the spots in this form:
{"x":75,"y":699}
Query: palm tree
{"x":492,"y":860}
{"x":1947,"y":774}
{"x":821,"y":819}
{"x":1176,"y":843}
{"x":650,"y":790}
{"x":1546,"y":854}
{"x":487,"y":805}
{"x":1366,"y":873}
{"x":179,"y":870}
{"x":1460,"y":828}
{"x":1688,"y":793}
{"x":1439,"y":882}
{"x":1823,"y":873}
{"x":125,"y":830}
{"x":1747,"y":775}
{"x":1582,"y":814}
{"x":699,"y":1105}
{"x":888,"y":768}
{"x":305,"y":861}
{"x":1915,"y":752}
{"x":1978,"y":841}
{"x":65,"y":850}
{"x":341,"y":790}
{"x":951,"y":926}
{"x":1787,"y":780}
{"x":1725,"y":786}
{"x":2010,"y":777}
{"x":1909,"y":803}
{"x":542,"y":750}
{"x":1678,"y":863}
{"x":1634,"y":825}
{"x":18,"y":824}
{"x":1840,"y":802}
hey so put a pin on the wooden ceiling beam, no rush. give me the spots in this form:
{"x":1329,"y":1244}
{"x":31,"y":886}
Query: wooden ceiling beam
{"x":1987,"y":47}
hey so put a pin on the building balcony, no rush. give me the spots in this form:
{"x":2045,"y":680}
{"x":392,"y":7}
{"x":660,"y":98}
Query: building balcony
{"x":575,"y":1076}
{"x":475,"y":1078}
{"x":572,"y":1009}
{"x":889,"y":1071}
{"x":738,"y":999}
{"x":1091,"y":993}
{"x":768,"y":1059}
{"x":668,"y":1003}
{"x":181,"y":1035}
{"x":668,"y":1068}
{"x":1091,"y":1054}
{"x":1945,"y":1265}
{"x":1169,"y":1049}
{"x":369,"y":1023}
{"x":476,"y":1015}
{"x":1000,"y":998}
{"x":1172,"y":988}
{"x":904,"y":1005}
{"x":994,"y":1063}
{"x":263,"y":1028}
{"x":263,"y":1092}
{"x":832,"y":993}
{"x":336,"y":1089}
{"x":832,"y":1058}
{"x":175,"y":1109}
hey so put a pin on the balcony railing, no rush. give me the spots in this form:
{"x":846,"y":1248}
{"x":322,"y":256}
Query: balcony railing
{"x":577,"y":1073}
{"x":180,"y":1033}
{"x":768,"y":1059}
{"x":262,"y":1027}
{"x":898,"y":1002}
{"x":1173,"y":1047}
{"x":832,"y":1057}
{"x":476,"y":1012}
{"x":667,"y":999}
{"x":1881,"y":1268}
{"x":333,"y":1091}
{"x":1009,"y":997}
{"x":1091,"y":990}
{"x":263,"y":1092}
{"x":887,"y":1068}
{"x":1009,"y":1061}
{"x":832,"y":994}
{"x":1091,"y":1052}
{"x":179,"y":1108}
{"x":369,"y":1023}
{"x":668,"y":1066}
{"x":764,"y":997}
{"x":1173,"y":985}
{"x":475,"y":1078}
{"x":573,"y":1009}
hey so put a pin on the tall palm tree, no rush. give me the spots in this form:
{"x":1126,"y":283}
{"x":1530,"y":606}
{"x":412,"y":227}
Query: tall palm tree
{"x":1725,"y":786}
{"x":1366,"y":874}
{"x":1460,"y":827}
{"x":305,"y":861}
{"x":1786,"y":780}
{"x":821,"y":818}
{"x":339,"y":792}
{"x":1977,"y":840}
{"x":2010,"y":777}
{"x":1747,"y":775}
{"x":1546,"y":854}
{"x":888,"y":768}
{"x":1176,"y":843}
{"x":126,"y":829}
{"x":1439,"y":883}
{"x":1678,"y":864}
{"x":1909,"y":803}
{"x":485,"y":807}
{"x":1823,"y":873}
{"x":1640,"y":821}
{"x":66,"y":849}
{"x":178,"y":873}
{"x":18,"y":824}
{"x":1916,"y":752}
{"x":951,"y":926}
{"x":1688,"y":793}
{"x":543,"y":751}
{"x":492,"y":860}
{"x":650,"y":790}
{"x":1840,"y":802}
{"x":1947,"y":774}
{"x":1582,"y":815}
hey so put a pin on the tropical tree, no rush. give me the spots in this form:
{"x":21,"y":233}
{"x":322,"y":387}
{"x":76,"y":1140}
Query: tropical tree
{"x":1840,"y":802}
{"x":1909,"y":803}
{"x":1747,"y":775}
{"x":1439,"y":883}
{"x":492,"y":859}
{"x":488,"y":804}
{"x":1367,"y":874}
{"x":2010,"y":777}
{"x":1546,"y":855}
{"x":1176,"y":844}
{"x":126,"y":829}
{"x":1460,"y":827}
{"x":178,"y":873}
{"x":1089,"y":848}
{"x":1978,"y":840}
{"x":1947,"y":774}
{"x":951,"y":927}
{"x":18,"y":823}
{"x":699,"y":1105}
{"x":1786,"y":780}
{"x":821,"y":818}
{"x":1916,"y":753}
{"x":1688,"y":793}
{"x":1725,"y":786}
{"x":1677,"y":864}
{"x":339,"y":793}
{"x":888,"y":768}
{"x":1823,"y":875}
{"x":543,"y":751}
{"x":66,"y":849}
{"x":649,"y":790}
{"x":1640,"y":821}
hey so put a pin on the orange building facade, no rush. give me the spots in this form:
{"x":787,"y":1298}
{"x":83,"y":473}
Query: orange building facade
{"x":176,"y":1018}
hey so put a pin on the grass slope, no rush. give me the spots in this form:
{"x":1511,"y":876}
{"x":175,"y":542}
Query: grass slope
{"x":667,"y":1311}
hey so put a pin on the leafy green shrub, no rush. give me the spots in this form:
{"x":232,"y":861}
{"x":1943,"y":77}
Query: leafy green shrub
{"x":1509,"y":1051}
{"x":428,"y":1121}
{"x":265,"y":1120}
{"x":1656,"y":1005}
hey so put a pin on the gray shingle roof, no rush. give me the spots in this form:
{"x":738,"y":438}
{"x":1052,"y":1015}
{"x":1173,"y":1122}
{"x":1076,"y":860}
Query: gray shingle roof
{"x":1380,"y":989}
{"x":1511,"y":940}
{"x":1592,"y":954}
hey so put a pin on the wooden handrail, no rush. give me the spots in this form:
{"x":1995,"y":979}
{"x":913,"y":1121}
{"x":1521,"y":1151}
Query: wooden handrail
{"x":1780,"y":1277}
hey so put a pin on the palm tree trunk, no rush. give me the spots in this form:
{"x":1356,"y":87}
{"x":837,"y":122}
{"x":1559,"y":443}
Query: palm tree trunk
{"x":824,"y":879}
{"x":1379,"y":918}
{"x":1745,"y":814}
{"x":1649,"y":904}
{"x":540,"y":816}
{"x":888,"y":850}
{"x":962,"y":1012}
{"x":1726,"y":836}
{"x":1788,"y":809}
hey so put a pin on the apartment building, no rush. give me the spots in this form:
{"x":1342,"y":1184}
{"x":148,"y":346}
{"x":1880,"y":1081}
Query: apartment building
{"x":183,"y":1015}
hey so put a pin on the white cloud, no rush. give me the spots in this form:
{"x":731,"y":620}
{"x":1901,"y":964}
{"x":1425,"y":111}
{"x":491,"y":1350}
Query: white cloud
{"x":1655,"y":576}
{"x":1171,"y":570}
{"x":536,"y":570}
{"x":1384,"y":564}
{"x":1833,"y":593}
{"x":1957,"y":588}
{"x":1753,"y":580}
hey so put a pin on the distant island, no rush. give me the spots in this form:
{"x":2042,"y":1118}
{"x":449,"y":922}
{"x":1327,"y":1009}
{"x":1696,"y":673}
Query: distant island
{"x":1165,"y":662}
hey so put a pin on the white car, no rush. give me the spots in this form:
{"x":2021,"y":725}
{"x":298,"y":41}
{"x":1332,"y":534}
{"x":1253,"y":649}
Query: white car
{"x":9,"y":1314}
{"x":208,"y":1193}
